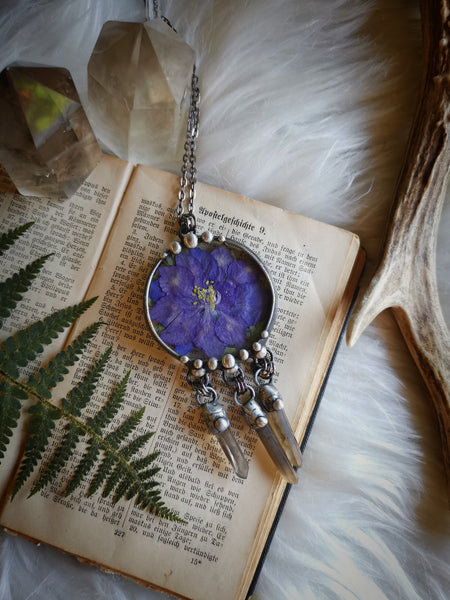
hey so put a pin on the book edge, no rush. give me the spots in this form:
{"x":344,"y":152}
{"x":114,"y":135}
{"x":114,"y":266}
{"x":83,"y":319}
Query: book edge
{"x":303,"y":443}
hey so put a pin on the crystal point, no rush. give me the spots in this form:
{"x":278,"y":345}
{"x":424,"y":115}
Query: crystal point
{"x":139,"y":78}
{"x":46,"y":143}
{"x":259,"y":421}
{"x":275,"y":451}
{"x":233,"y":453}
{"x":280,"y":425}
{"x":271,"y":401}
{"x":219,"y":425}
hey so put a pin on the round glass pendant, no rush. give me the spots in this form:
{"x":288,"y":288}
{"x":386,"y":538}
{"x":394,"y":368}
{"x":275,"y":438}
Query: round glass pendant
{"x":209,"y":297}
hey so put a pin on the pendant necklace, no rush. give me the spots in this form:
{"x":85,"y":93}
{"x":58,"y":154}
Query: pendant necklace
{"x":211,"y":303}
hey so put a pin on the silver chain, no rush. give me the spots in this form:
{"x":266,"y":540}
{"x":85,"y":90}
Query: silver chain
{"x":188,"y":177}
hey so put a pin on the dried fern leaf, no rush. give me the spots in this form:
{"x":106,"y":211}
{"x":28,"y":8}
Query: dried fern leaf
{"x":20,"y":349}
{"x":49,"y":375}
{"x":114,"y":479}
{"x":76,"y":400}
{"x":62,"y":454}
{"x":103,"y":417}
{"x":8,"y":238}
{"x":112,"y":459}
{"x":13,"y":288}
{"x":124,"y":471}
{"x":10,"y":406}
{"x":39,"y":429}
{"x":112,"y":442}
{"x":101,"y":474}
{"x":80,"y":395}
{"x":111,"y":407}
{"x":86,"y":464}
{"x":116,"y":437}
{"x":135,"y":445}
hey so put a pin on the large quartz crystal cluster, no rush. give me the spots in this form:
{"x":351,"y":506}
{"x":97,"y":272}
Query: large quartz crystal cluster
{"x":47,"y":146}
{"x":139,"y":78}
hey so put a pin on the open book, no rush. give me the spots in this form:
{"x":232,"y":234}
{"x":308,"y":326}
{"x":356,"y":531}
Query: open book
{"x":106,"y":240}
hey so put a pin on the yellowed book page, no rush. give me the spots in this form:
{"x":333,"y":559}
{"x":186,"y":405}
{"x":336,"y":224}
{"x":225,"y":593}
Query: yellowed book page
{"x":228,"y":518}
{"x":74,"y":230}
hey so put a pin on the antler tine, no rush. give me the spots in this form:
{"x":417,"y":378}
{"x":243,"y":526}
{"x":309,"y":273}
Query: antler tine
{"x":406,"y":277}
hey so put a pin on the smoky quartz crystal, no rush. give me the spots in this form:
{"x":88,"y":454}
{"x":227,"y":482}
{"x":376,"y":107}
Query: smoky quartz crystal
{"x":47,"y":145}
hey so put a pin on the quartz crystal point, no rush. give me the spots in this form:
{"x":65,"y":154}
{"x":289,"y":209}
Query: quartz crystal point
{"x":271,"y":401}
{"x":219,"y":426}
{"x":258,"y":420}
{"x":275,"y":451}
{"x":47,"y":146}
{"x":139,"y":84}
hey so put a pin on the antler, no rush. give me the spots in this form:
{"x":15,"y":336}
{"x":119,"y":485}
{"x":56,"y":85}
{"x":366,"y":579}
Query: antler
{"x":406,"y":277}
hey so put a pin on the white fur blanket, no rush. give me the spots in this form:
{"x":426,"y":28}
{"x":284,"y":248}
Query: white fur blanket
{"x":307,"y":105}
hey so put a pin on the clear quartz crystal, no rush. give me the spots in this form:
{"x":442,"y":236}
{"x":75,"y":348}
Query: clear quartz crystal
{"x":139,"y":78}
{"x":214,"y":413}
{"x":280,"y":426}
{"x":233,"y":453}
{"x":276,"y":453}
{"x":47,"y":146}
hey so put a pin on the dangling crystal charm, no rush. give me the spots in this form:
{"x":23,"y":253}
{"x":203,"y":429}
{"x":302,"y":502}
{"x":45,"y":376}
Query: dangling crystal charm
{"x":258,"y":420}
{"x":270,"y":399}
{"x":219,"y":426}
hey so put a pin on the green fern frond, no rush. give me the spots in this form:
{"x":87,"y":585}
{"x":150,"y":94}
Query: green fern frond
{"x":142,"y":463}
{"x":122,"y":486}
{"x":111,"y":407}
{"x":135,"y":445}
{"x":80,"y":395}
{"x":84,"y":467}
{"x":117,"y":473}
{"x":102,"y":418}
{"x":76,"y":400}
{"x":59,"y":459}
{"x":112,"y":457}
{"x":114,"y":479}
{"x":39,"y":429}
{"x":20,"y":349}
{"x":101,"y":474}
{"x":10,"y":407}
{"x":8,"y":238}
{"x":124,"y":472}
{"x":116,"y":437}
{"x":48,"y":376}
{"x":13,"y":288}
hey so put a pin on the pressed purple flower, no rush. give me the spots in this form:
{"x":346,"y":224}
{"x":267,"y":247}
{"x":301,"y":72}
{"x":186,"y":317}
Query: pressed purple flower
{"x":208,"y":300}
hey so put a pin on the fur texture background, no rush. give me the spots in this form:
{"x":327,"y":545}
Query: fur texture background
{"x":306,"y":105}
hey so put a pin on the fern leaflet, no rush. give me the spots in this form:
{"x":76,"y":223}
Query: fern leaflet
{"x":20,"y":349}
{"x":39,"y":428}
{"x":48,"y":376}
{"x":80,"y":395}
{"x":10,"y":406}
{"x":76,"y":400}
{"x":111,"y":407}
{"x":11,"y":289}
{"x":101,"y":474}
{"x":8,"y":238}
{"x":103,"y":417}
{"x":60,"y":457}
{"x":85,"y":465}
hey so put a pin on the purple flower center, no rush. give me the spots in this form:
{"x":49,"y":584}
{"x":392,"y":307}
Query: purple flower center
{"x":208,"y":295}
